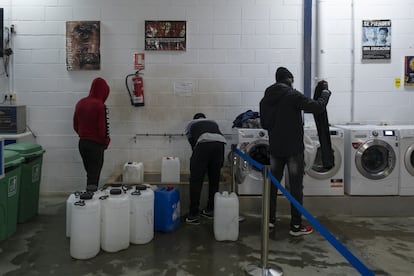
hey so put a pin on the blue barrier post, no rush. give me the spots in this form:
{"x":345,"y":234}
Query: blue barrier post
{"x":354,"y":261}
{"x":264,"y":268}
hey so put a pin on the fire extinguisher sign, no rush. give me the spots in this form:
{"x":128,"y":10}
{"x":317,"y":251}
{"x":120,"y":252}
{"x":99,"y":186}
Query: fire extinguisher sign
{"x":139,"y":61}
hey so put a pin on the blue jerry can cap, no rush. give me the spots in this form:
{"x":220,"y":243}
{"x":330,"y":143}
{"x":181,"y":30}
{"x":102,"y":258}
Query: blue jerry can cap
{"x":26,"y":149}
{"x":12,"y":158}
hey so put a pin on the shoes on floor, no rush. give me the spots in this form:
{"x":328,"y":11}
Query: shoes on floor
{"x":207,"y":214}
{"x":300,"y":230}
{"x":193,"y":220}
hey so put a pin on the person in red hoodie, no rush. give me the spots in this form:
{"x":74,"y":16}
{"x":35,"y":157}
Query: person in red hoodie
{"x":90,"y":121}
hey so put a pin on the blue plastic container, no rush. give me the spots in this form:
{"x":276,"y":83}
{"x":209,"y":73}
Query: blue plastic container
{"x":166,"y":209}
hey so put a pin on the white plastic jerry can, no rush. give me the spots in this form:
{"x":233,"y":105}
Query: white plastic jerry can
{"x":73,"y":197}
{"x":115,"y":221}
{"x":141,"y":198}
{"x":85,"y":227}
{"x":170,"y":170}
{"x":226,"y":216}
{"x":133,"y":173}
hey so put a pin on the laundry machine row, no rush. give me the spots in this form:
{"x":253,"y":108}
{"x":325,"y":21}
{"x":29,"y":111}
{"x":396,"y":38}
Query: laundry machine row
{"x":319,"y":181}
{"x":254,"y":142}
{"x":406,"y":138}
{"x":372,"y":160}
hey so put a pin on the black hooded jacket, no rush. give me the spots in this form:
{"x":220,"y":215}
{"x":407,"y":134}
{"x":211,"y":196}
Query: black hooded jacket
{"x":281,"y":114}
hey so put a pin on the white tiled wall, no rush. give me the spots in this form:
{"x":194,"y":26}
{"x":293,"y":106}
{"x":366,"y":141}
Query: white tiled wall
{"x":233,"y":49}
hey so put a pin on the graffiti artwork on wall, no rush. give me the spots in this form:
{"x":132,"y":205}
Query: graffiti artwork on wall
{"x":83,"y":45}
{"x":165,"y":35}
{"x":376,"y":39}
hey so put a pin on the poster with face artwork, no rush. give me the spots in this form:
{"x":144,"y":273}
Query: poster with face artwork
{"x":409,"y":71}
{"x":83,"y":45}
{"x":376,"y":39}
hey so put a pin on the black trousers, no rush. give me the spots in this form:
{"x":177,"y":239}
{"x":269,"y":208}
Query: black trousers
{"x":207,"y":157}
{"x":92,"y":154}
{"x":295,"y":166}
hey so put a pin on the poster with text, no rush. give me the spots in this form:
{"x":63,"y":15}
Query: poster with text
{"x":376,"y":39}
{"x":409,"y":71}
{"x":83,"y":45}
{"x":165,"y":35}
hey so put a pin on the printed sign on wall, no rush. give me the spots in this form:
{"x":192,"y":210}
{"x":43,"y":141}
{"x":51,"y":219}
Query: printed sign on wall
{"x":376,"y":39}
{"x":165,"y":35}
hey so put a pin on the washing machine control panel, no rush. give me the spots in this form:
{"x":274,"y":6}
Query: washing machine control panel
{"x":251,"y":134}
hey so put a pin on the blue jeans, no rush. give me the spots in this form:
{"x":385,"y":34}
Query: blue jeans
{"x":295,"y":166}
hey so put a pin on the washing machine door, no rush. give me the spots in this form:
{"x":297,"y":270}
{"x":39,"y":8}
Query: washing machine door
{"x":317,"y":170}
{"x":375,"y":159}
{"x":409,"y":160}
{"x":257,"y":150}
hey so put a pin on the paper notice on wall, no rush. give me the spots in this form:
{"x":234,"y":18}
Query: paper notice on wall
{"x":183,"y":88}
{"x":397,"y":82}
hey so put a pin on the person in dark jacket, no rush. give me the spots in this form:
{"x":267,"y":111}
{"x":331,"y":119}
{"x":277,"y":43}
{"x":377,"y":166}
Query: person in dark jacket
{"x":281,"y":114}
{"x":207,"y":143}
{"x":90,"y":122}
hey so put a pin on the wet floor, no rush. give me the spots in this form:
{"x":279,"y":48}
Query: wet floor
{"x":383,"y":244}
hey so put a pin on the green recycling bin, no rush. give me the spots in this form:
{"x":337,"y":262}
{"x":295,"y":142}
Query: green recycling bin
{"x":9,"y":193}
{"x":30,"y":181}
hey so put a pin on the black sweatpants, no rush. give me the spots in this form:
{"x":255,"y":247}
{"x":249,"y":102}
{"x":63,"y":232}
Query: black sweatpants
{"x":207,"y":157}
{"x":92,"y":154}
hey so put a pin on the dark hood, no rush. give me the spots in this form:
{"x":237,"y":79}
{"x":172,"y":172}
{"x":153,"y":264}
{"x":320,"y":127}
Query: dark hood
{"x":99,"y":89}
{"x":275,"y":92}
{"x":270,"y":101}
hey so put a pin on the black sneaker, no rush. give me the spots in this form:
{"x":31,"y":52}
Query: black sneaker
{"x":300,"y":230}
{"x":193,"y":220}
{"x":207,"y":214}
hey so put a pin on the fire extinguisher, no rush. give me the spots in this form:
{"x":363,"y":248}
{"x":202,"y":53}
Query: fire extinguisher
{"x":137,"y":83}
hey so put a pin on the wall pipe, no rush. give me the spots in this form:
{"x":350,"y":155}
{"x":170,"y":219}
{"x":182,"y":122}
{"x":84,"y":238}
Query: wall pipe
{"x":307,"y":48}
{"x":320,"y":42}
{"x":352,"y":61}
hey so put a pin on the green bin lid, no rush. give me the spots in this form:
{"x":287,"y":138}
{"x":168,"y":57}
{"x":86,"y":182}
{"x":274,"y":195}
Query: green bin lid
{"x":26,"y":149}
{"x":12,"y":158}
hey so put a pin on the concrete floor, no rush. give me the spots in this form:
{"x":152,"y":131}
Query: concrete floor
{"x":384,"y":244}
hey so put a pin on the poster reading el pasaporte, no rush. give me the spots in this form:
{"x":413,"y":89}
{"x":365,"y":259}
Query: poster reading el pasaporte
{"x":83,"y":45}
{"x":376,"y":39}
{"x":409,"y":71}
{"x":165,"y":35}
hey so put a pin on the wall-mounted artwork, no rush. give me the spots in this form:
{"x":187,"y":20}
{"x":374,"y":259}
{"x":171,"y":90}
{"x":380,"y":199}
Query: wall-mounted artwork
{"x":409,"y":71}
{"x":376,"y":39}
{"x":165,"y":35}
{"x":83,"y":45}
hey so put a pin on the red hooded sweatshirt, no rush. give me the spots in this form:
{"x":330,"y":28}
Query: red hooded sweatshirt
{"x":90,"y":118}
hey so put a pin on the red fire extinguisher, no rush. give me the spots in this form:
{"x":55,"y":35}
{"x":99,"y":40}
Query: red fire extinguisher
{"x":137,"y":83}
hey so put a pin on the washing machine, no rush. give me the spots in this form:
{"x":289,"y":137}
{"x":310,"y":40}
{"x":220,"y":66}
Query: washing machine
{"x":318,"y":181}
{"x":406,"y":132}
{"x":371,"y":160}
{"x":254,"y":143}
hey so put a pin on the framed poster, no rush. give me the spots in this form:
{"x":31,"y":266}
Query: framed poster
{"x":165,"y":35}
{"x":83,"y":40}
{"x":376,"y":39}
{"x":409,"y":71}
